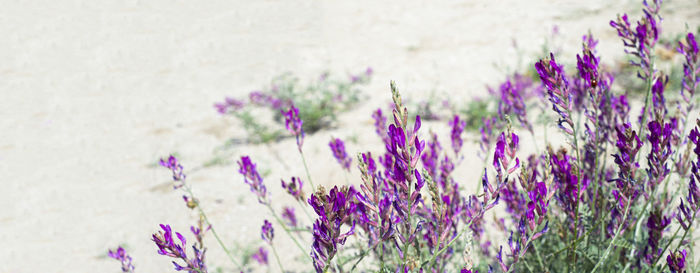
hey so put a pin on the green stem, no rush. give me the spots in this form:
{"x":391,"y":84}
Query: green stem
{"x":308,"y":174}
{"x":279,"y":221}
{"x":617,"y":234}
{"x":578,"y":188}
{"x":211,"y":227}
{"x":277,"y":257}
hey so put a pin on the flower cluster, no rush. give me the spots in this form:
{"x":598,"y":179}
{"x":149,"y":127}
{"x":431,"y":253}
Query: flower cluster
{"x":120,"y":255}
{"x":294,"y":188}
{"x":175,"y":166}
{"x":554,"y":79}
{"x":457,"y":127}
{"x":294,"y":124}
{"x":511,"y":94}
{"x":676,"y":261}
{"x":260,"y":256}
{"x":168,"y":247}
{"x":640,"y":39}
{"x":687,"y":212}
{"x":338,"y":148}
{"x":229,"y":104}
{"x":267,"y":232}
{"x":253,"y":179}
{"x":334,"y":210}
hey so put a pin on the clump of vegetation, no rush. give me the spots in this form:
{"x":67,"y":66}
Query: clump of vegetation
{"x":319,"y":102}
{"x":621,"y":195}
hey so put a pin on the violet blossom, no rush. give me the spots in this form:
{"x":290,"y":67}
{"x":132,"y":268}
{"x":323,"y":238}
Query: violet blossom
{"x":380,"y":125}
{"x":168,"y":247}
{"x":338,"y":148}
{"x":229,"y":104}
{"x":676,"y":261}
{"x":640,"y":40}
{"x":554,"y":79}
{"x":294,"y":188}
{"x":333,"y":209}
{"x":120,"y":255}
{"x":253,"y":179}
{"x":267,"y":232}
{"x":260,"y":256}
{"x":289,"y":216}
{"x":294,"y":124}
{"x":175,"y":166}
{"x":457,"y":127}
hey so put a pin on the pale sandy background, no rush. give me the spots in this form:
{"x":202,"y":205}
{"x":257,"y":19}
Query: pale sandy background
{"x":93,"y":92}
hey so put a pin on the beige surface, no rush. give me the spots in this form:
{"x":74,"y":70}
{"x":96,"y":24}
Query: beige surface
{"x":95,"y":91}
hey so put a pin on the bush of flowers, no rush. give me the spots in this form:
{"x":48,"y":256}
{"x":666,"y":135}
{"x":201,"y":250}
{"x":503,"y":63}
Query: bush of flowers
{"x":621,"y":195}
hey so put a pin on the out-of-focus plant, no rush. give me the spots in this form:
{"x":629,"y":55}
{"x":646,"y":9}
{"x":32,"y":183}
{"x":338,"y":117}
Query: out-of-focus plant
{"x":319,"y":102}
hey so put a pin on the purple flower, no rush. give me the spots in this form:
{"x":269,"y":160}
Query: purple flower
{"x":294,"y":124}
{"x":338,"y":149}
{"x":267,"y":232}
{"x":289,"y":216}
{"x":588,"y":67}
{"x":486,"y":135}
{"x":168,"y":247}
{"x":229,"y":104}
{"x":504,"y":154}
{"x":656,"y":224}
{"x":380,"y":125}
{"x":687,"y":212}
{"x":173,"y":164}
{"x":457,"y":127}
{"x":333,"y":209}
{"x":430,"y":157}
{"x":511,"y":94}
{"x":676,"y":261}
{"x":260,"y":256}
{"x":121,"y":255}
{"x":553,"y":77}
{"x":253,"y":179}
{"x":641,"y":39}
{"x":566,"y":178}
{"x":294,"y":188}
{"x":660,"y":137}
{"x":628,"y":144}
{"x":691,"y":74}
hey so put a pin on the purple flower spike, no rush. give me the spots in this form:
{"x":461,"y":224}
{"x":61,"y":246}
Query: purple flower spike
{"x":173,"y":164}
{"x":229,"y":105}
{"x":260,"y":256}
{"x":457,"y":126}
{"x":121,"y":255}
{"x":253,"y":179}
{"x":294,"y":188}
{"x":691,"y":73}
{"x":333,"y":209}
{"x":338,"y":149}
{"x":267,"y":232}
{"x":294,"y":124}
{"x":676,"y":261}
{"x":640,"y":40}
{"x":553,"y":77}
{"x":289,"y":215}
{"x":168,"y":247}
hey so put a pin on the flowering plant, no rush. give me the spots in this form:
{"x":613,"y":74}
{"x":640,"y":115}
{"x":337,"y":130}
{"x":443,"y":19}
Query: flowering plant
{"x":621,"y":195}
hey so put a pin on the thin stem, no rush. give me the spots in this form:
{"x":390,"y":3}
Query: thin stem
{"x":305,"y":211}
{"x":308,"y":174}
{"x":617,"y":234}
{"x":578,"y":187}
{"x":279,"y":221}
{"x":277,"y":257}
{"x":539,"y":259}
{"x":211,"y":227}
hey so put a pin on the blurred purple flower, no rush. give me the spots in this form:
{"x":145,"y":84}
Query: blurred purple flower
{"x":676,"y":261}
{"x":338,"y":148}
{"x":289,"y":215}
{"x":554,"y":78}
{"x":457,"y":127}
{"x":267,"y":233}
{"x":253,"y":178}
{"x":121,"y":255}
{"x":260,"y":256}
{"x":229,"y":104}
{"x":380,"y":125}
{"x":294,"y":188}
{"x":294,"y":124}
{"x":175,"y":166}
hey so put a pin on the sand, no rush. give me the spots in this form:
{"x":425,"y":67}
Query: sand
{"x":94,"y":92}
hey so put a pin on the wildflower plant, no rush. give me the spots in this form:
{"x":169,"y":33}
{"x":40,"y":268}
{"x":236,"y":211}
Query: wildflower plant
{"x":318,"y":103}
{"x":621,"y":195}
